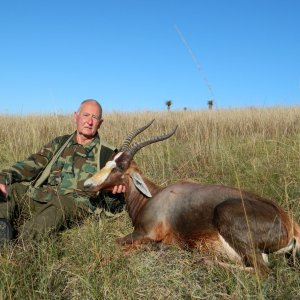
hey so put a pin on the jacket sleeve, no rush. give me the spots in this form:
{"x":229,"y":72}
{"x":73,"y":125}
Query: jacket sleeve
{"x":30,"y":168}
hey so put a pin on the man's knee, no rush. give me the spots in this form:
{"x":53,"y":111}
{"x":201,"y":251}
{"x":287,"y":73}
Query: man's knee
{"x":70,"y":208}
{"x":44,"y":221}
{"x":54,"y":215}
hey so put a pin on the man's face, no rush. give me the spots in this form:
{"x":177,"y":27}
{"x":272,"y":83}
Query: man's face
{"x":88,"y":119}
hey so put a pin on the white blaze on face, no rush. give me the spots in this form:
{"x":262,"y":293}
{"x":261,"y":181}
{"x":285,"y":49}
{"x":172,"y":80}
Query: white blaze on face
{"x":102,"y":175}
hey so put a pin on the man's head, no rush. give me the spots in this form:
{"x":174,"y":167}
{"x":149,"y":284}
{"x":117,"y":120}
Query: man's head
{"x":88,"y":119}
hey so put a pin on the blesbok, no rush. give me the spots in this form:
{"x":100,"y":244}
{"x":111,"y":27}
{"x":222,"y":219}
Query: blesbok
{"x":220,"y":220}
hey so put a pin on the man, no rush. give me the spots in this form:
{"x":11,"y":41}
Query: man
{"x":47,"y":188}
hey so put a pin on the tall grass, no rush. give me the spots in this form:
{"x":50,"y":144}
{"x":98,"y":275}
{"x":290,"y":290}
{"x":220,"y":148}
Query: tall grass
{"x":255,"y":149}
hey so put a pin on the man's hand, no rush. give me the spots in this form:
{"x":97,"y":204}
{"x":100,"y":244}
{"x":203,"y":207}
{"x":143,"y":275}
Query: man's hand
{"x":118,"y":189}
{"x":3,"y":190}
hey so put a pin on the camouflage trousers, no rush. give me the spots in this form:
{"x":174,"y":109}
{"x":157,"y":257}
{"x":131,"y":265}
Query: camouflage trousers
{"x":34,"y":219}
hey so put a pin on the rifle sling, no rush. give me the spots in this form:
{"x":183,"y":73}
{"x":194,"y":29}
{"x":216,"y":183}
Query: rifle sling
{"x":46,"y":172}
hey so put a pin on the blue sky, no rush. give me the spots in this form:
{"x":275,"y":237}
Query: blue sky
{"x":135,"y":55}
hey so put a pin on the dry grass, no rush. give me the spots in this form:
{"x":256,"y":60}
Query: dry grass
{"x":256,"y":149}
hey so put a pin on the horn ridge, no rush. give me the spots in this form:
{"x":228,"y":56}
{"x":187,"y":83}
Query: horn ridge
{"x":132,"y":135}
{"x":138,"y":146}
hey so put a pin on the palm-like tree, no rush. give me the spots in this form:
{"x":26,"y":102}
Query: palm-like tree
{"x":168,"y":103}
{"x":210,"y":104}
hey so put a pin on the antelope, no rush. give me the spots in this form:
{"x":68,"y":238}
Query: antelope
{"x":222,"y":221}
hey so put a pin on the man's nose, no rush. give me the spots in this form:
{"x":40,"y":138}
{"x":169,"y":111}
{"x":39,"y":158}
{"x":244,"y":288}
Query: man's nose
{"x":90,"y":120}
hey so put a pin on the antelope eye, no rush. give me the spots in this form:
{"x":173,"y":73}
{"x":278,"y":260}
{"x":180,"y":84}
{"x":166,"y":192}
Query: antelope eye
{"x":120,"y":167}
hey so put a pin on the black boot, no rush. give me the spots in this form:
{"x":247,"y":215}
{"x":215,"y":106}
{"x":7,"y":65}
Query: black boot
{"x":6,"y":231}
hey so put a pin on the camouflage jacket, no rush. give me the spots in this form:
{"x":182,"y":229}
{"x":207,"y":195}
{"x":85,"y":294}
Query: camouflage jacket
{"x":75,"y":164}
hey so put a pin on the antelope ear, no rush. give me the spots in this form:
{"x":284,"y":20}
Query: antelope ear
{"x":140,"y":184}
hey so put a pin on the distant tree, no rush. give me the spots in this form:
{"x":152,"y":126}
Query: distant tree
{"x":210,"y":104}
{"x":168,"y":104}
{"x":185,"y":108}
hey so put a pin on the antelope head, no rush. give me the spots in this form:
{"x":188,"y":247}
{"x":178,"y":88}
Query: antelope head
{"x":113,"y":172}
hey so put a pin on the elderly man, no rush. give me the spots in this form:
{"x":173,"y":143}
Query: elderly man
{"x":47,"y":188}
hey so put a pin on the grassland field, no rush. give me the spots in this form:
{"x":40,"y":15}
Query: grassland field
{"x":256,"y":149}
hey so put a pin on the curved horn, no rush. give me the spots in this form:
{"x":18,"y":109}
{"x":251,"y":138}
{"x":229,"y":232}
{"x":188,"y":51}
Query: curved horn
{"x":132,"y":135}
{"x":136,"y":147}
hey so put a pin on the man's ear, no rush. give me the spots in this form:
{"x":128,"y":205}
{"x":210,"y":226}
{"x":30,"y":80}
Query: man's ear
{"x":75,"y":116}
{"x":100,"y":122}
